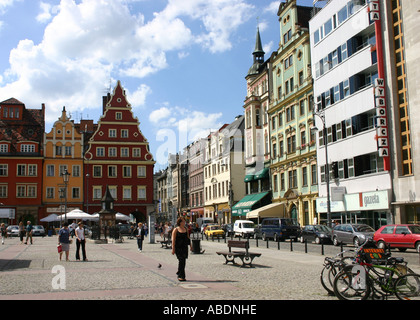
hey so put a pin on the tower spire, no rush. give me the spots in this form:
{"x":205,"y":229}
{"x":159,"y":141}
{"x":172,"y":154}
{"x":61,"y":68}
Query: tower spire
{"x":258,"y":55}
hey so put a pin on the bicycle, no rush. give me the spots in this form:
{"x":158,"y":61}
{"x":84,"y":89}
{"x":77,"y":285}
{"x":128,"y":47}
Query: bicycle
{"x":332,"y":266}
{"x":376,"y":274}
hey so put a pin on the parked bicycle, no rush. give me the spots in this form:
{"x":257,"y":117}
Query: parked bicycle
{"x":377,"y":275}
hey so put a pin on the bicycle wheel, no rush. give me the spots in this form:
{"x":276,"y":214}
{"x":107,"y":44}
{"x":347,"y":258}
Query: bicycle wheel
{"x":407,"y":287}
{"x":325,"y":278}
{"x":351,"y":285}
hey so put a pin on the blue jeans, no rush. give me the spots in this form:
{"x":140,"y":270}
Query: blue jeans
{"x":140,"y":243}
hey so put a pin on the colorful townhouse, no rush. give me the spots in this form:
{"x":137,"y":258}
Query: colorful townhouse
{"x":293,"y":149}
{"x":118,"y":157}
{"x":63,"y":153}
{"x":21,"y":157}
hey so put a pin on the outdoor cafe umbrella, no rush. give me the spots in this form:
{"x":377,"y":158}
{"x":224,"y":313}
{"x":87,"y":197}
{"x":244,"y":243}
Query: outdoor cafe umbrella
{"x":51,"y":218}
{"x":118,"y":216}
{"x":76,"y":214}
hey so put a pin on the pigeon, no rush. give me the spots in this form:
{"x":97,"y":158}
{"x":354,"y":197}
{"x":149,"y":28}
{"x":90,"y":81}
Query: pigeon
{"x":159,"y":266}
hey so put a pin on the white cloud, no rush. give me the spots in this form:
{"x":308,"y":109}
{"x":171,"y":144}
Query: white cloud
{"x":85,"y":43}
{"x":158,"y":115}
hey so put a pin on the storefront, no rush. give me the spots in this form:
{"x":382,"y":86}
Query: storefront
{"x":249,"y":203}
{"x":372,"y":208}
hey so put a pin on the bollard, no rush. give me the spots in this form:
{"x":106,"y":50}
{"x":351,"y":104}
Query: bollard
{"x":278,"y":244}
{"x":256,"y":241}
{"x":224,"y":236}
{"x":341,"y":248}
{"x":218,"y":238}
{"x":291,"y":244}
{"x":267,"y":242}
{"x":322,"y":248}
{"x":306,"y":245}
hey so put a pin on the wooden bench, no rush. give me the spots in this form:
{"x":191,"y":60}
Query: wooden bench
{"x":245,"y":256}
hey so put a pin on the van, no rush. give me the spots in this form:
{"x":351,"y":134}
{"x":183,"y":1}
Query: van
{"x":201,"y":221}
{"x":280,"y":229}
{"x":244,"y":228}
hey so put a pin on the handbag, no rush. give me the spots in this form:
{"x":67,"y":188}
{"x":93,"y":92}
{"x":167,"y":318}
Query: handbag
{"x":59,"y":248}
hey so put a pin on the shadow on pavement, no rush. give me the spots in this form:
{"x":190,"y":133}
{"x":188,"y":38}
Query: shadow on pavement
{"x":7,"y":265}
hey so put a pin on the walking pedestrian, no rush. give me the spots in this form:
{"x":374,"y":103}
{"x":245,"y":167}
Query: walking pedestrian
{"x":29,"y":228}
{"x":180,"y":243}
{"x":3,"y":232}
{"x":80,"y":241}
{"x":21,"y":231}
{"x":140,"y":236}
{"x":64,"y":240}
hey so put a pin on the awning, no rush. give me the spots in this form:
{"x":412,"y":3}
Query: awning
{"x":247,"y":203}
{"x":272,"y":210}
{"x":261,"y":174}
{"x":249,"y":178}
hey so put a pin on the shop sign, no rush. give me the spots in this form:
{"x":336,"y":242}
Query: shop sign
{"x":374,"y":10}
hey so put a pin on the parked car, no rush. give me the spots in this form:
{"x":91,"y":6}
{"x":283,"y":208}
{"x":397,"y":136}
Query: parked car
{"x":355,"y":234}
{"x":319,"y":233}
{"x":228,"y":229}
{"x":257,"y":231}
{"x":401,"y":236}
{"x":205,"y":225}
{"x":38,"y":231}
{"x":244,"y":228}
{"x":280,"y":229}
{"x":213,"y":231}
{"x":12,"y":231}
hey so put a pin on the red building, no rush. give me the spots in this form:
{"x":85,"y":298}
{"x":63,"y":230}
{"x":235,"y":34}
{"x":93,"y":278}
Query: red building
{"x":21,"y":158}
{"x":118,"y":156}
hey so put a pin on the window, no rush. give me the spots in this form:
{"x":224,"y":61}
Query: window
{"x":100,"y":152}
{"x":301,"y":78}
{"x":124,"y":133}
{"x":127,"y":192}
{"x":288,"y":62}
{"x":112,"y":171}
{"x":125,"y":152}
{"x":316,"y":36}
{"x":290,"y":113}
{"x":32,"y":170}
{"x":50,"y":170}
{"x":274,"y":150}
{"x":136,"y":152}
{"x":302,"y":107}
{"x":141,"y":171}
{"x":293,"y":179}
{"x":342,"y":15}
{"x":4,"y":148}
{"x":291,"y":144}
{"x":118,"y":116}
{"x":336,"y":94}
{"x":303,"y":138}
{"x":127,"y":171}
{"x":27,"y":148}
{"x":112,"y":133}
{"x":282,"y":182}
{"x":328,"y":26}
{"x":112,"y":152}
{"x":50,"y":193}
{"x":97,"y":171}
{"x":275,"y":183}
{"x":75,"y":193}
{"x":287,"y":36}
{"x":3,"y":170}
{"x":344,"y":51}
{"x":313,"y":175}
{"x":304,"y":176}
{"x":97,"y":192}
{"x":21,"y":170}
{"x":141,"y":193}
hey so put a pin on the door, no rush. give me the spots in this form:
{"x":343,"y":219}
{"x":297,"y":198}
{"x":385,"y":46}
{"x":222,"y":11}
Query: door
{"x":403,"y":237}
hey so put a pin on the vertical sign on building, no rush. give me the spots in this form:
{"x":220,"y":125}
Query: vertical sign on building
{"x":380,"y":97}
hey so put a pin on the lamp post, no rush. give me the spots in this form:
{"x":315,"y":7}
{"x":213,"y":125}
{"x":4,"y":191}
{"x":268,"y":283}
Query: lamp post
{"x":321,"y":115}
{"x":66,"y":177}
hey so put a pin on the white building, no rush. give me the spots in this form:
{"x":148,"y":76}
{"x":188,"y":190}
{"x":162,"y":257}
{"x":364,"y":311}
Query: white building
{"x":344,"y":54}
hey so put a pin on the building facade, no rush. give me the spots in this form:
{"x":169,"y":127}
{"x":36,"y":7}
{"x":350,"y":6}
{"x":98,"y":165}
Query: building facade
{"x":21,"y":157}
{"x":293,"y":150}
{"x":346,"y":50}
{"x":118,"y":157}
{"x":63,"y":150}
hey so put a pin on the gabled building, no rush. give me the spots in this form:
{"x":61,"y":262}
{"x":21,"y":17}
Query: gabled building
{"x":21,"y":157}
{"x":63,"y":150}
{"x":118,"y":156}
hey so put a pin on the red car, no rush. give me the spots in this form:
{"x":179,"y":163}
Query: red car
{"x":401,"y":236}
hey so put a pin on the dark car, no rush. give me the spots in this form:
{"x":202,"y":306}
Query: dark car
{"x":356,"y":234}
{"x":319,"y":233}
{"x":280,"y":229}
{"x":401,"y":236}
{"x":228,"y":229}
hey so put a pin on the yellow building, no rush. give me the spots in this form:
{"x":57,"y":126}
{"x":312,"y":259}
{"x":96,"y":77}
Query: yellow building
{"x":63,"y":150}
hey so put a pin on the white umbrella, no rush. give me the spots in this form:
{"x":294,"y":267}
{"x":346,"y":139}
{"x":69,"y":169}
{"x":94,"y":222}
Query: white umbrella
{"x":118,"y":216}
{"x":76,"y":214}
{"x":52,"y":217}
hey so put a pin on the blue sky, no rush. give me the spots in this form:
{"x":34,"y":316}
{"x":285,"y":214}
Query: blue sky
{"x":182,"y":62}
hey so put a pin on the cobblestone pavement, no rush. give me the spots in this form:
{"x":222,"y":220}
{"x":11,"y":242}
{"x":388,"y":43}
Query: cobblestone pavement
{"x":118,"y":271}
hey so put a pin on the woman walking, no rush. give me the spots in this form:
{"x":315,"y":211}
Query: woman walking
{"x":21,"y":231}
{"x":180,"y":243}
{"x":3,"y":232}
{"x":80,"y":241}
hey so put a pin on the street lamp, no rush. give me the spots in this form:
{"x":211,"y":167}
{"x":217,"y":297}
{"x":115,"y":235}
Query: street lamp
{"x":321,"y":115}
{"x":66,"y":178}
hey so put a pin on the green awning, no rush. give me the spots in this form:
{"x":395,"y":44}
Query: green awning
{"x":247,"y":204}
{"x":249,"y":178}
{"x":261,"y":174}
